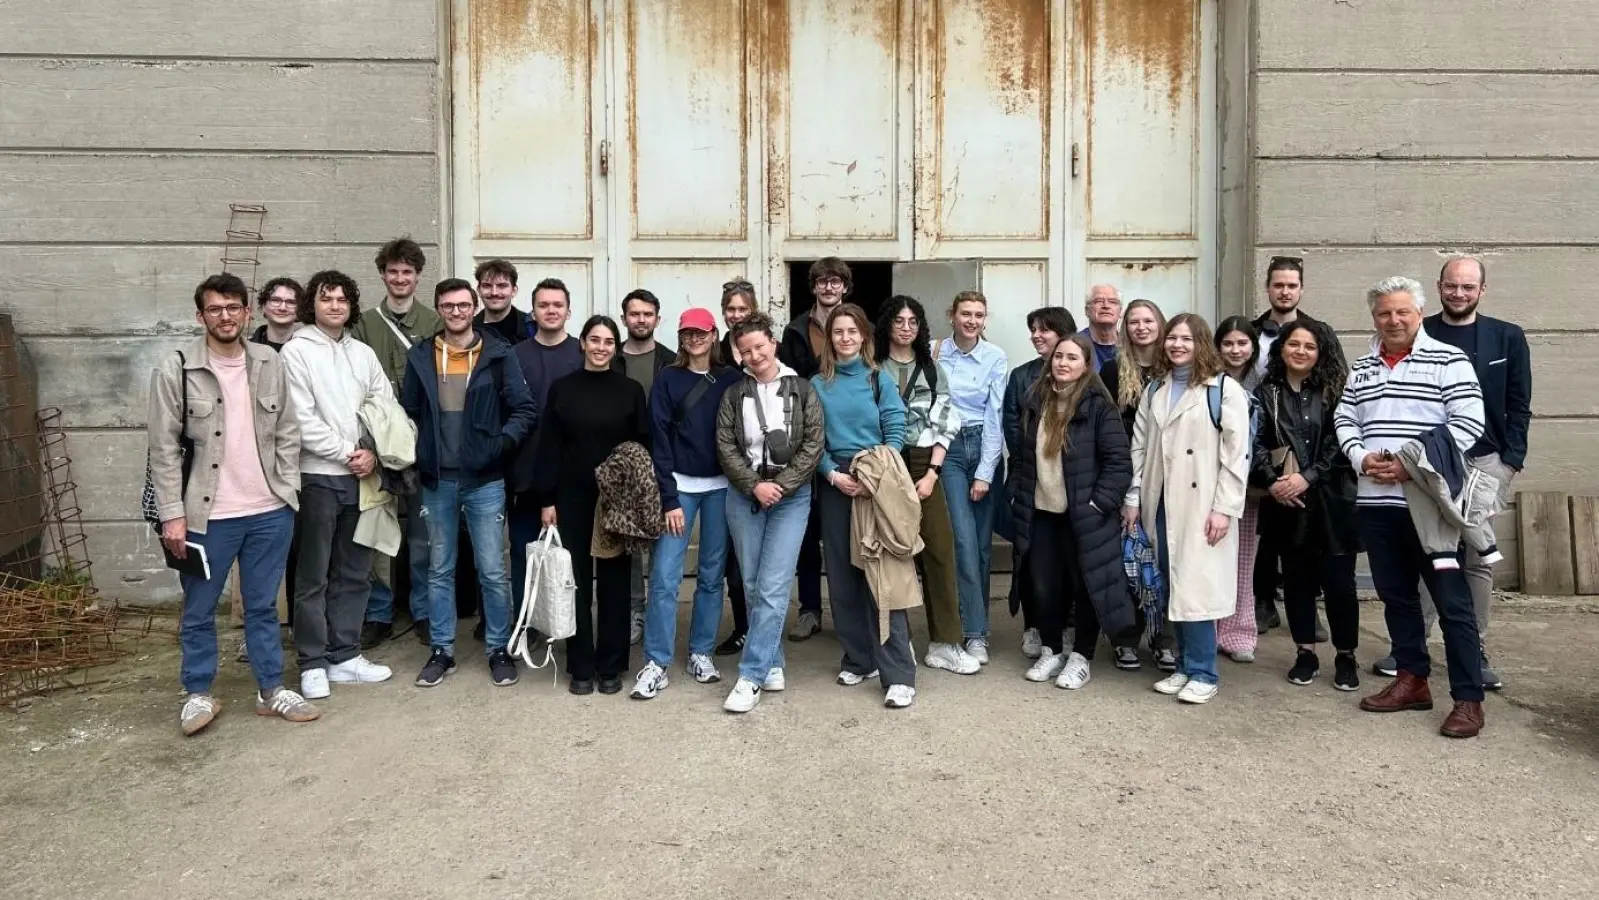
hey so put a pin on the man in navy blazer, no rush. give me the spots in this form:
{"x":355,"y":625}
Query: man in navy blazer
{"x":1498,"y":351}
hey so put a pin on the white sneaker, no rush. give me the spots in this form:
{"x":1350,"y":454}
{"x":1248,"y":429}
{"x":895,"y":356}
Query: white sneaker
{"x":1171,"y":684}
{"x":850,"y":679}
{"x":745,"y":695}
{"x":314,"y":684}
{"x":1048,"y":666}
{"x":899,"y":696}
{"x":1032,"y":643}
{"x":651,"y":681}
{"x":359,"y":671}
{"x":774,"y":681}
{"x":952,"y":658}
{"x":198,"y":711}
{"x":1076,"y":673}
{"x":978,"y":648}
{"x":1197,"y":692}
{"x":704,"y":671}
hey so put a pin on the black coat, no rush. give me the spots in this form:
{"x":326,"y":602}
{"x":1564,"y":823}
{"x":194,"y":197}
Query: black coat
{"x":1304,"y":422}
{"x":1504,"y":369}
{"x":1098,"y":466}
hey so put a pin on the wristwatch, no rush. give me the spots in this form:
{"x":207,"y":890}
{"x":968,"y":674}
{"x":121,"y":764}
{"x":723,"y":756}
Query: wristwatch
{"x":936,"y":470}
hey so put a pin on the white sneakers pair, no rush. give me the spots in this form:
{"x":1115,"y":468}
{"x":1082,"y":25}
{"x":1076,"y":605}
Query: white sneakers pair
{"x":1186,"y":689}
{"x":951,"y":658}
{"x":746,"y":694}
{"x":652,"y":678}
{"x":898,"y":696}
{"x":360,"y":670}
{"x":1070,"y":672}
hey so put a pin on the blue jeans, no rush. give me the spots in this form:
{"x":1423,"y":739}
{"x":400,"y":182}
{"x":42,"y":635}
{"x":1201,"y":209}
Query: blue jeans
{"x":666,"y":574}
{"x":484,"y":507}
{"x":973,"y":524}
{"x":1196,"y":650}
{"x":767,"y":542}
{"x":260,"y":543}
{"x":380,"y":604}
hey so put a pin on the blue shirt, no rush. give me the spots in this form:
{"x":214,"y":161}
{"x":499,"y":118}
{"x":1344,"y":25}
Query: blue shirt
{"x":977,"y":391}
{"x":851,"y":420}
{"x":1103,"y":353}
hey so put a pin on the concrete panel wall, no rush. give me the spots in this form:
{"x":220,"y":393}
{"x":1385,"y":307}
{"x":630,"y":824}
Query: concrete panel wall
{"x":1380,"y":148}
{"x":126,"y":131}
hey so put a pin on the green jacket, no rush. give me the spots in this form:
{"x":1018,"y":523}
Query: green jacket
{"x":418,"y":324}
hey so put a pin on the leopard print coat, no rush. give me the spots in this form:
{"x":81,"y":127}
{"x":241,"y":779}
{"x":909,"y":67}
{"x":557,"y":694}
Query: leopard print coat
{"x":628,"y":518}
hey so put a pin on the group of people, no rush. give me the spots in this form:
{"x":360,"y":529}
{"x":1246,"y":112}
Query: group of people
{"x":1159,"y":472}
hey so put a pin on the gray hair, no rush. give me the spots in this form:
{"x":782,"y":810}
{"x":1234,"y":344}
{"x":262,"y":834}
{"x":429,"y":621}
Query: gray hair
{"x":1397,"y":284}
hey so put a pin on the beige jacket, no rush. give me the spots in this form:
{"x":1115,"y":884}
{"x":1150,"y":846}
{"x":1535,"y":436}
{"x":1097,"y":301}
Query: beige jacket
{"x":277,"y":431}
{"x":885,"y":530}
{"x":395,"y":437}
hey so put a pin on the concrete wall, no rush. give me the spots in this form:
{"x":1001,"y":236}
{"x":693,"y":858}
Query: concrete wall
{"x":127,"y":128}
{"x":1391,"y":133}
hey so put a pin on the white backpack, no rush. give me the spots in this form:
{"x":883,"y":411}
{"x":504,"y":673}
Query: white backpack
{"x":549,"y":603}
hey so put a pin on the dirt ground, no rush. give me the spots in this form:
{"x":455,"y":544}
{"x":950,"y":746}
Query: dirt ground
{"x":989,"y":787}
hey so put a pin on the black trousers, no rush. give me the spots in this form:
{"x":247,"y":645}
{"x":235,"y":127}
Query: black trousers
{"x":809,"y":572}
{"x":332,"y":580}
{"x":1307,"y":573}
{"x":1058,"y":595}
{"x":604,"y":602}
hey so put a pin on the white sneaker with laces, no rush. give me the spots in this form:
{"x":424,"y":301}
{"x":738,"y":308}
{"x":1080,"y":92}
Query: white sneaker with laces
{"x":287,"y":705}
{"x":314,"y":684}
{"x":359,"y":670}
{"x":198,"y":711}
{"x":1197,"y":692}
{"x":978,"y":648}
{"x":745,"y":695}
{"x":951,"y":658}
{"x":651,"y":681}
{"x":1032,"y":643}
{"x":704,"y":671}
{"x":1076,"y":673}
{"x":1048,"y":666}
{"x":899,"y":696}
{"x":774,"y":681}
{"x":1171,"y":684}
{"x":850,"y":679}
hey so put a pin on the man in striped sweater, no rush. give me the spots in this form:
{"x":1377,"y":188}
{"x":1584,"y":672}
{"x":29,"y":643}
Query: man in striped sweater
{"x":1408,"y":384}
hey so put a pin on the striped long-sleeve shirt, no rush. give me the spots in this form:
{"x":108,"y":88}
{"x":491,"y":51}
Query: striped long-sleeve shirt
{"x":1384,"y":407}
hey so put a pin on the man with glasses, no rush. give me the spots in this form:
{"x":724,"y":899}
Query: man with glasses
{"x":280,"y":307}
{"x":1104,"y":310}
{"x":227,"y":483}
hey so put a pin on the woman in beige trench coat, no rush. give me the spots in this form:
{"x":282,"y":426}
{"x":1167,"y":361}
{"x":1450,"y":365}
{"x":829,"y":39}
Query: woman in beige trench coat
{"x":1189,"y":474}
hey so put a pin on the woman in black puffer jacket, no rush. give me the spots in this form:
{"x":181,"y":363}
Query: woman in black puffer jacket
{"x":1074,"y":467}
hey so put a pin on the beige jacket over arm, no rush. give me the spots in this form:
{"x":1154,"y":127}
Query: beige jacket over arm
{"x":885,"y":531}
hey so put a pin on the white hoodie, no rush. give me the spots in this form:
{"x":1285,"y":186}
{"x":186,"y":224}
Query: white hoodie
{"x":328,"y":381}
{"x":771,"y":401}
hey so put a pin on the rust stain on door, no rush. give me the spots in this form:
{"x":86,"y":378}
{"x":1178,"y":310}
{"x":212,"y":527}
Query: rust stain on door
{"x":1016,"y":43}
{"x":1155,"y":36}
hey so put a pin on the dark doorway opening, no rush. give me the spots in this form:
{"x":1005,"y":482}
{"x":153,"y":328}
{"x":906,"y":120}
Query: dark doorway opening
{"x":874,"y":284}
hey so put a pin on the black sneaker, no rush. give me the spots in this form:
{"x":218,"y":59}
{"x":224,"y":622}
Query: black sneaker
{"x":424,"y":632}
{"x":1306,"y":665}
{"x":1490,"y":679}
{"x":610,"y":684}
{"x":439,"y":664}
{"x":1127,"y":658}
{"x":581,"y":686}
{"x":375,"y":633}
{"x":732,"y":646}
{"x":1266,"y":616}
{"x":1346,"y":672}
{"x":1166,"y":660}
{"x":502,"y":668}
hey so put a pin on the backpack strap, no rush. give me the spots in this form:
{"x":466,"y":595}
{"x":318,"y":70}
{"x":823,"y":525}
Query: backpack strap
{"x":910,"y":383}
{"x":1213,"y":396}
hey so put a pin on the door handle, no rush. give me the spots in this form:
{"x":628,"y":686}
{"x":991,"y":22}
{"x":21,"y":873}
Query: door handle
{"x":605,"y":157}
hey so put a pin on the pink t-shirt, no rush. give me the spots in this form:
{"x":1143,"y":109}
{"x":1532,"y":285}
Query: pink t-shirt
{"x":241,"y":485}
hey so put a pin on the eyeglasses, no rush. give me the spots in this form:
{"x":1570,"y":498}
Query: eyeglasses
{"x":457,"y":307}
{"x":831,"y":281}
{"x":217,"y":312}
{"x":737,"y":285}
{"x":281,"y":301}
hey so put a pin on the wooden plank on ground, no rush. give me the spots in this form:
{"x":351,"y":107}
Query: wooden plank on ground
{"x":1585,"y":543}
{"x":1547,"y":566}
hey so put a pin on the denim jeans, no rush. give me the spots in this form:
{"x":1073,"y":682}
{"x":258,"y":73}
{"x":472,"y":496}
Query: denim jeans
{"x":484,"y":507}
{"x":261,"y":545}
{"x":767,"y":542}
{"x":666,"y":574}
{"x":380,"y":604}
{"x":1196,"y":650}
{"x":973,"y":524}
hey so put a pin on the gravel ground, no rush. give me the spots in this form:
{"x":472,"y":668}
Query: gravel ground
{"x":989,"y":787}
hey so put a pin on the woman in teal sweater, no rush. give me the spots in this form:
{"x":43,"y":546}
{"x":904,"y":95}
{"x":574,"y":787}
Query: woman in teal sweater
{"x":861,"y":409}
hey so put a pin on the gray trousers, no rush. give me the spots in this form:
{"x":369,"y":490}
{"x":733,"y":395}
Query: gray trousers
{"x":1479,"y":575}
{"x":854,"y":609}
{"x":332,"y":580}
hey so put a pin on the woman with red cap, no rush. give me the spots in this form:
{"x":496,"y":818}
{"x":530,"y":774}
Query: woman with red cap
{"x":683,"y":404}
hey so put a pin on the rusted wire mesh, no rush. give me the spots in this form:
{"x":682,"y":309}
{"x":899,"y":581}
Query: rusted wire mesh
{"x":49,"y":630}
{"x":66,"y":553}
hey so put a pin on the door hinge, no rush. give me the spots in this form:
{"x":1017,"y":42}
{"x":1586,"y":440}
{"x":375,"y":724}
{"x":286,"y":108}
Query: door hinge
{"x":1076,"y":159}
{"x":605,"y":158}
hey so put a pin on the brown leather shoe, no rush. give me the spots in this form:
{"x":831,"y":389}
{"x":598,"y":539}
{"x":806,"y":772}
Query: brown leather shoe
{"x":1405,"y":692}
{"x":1465,"y":720}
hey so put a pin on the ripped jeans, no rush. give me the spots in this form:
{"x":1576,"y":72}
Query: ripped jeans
{"x":484,"y":507}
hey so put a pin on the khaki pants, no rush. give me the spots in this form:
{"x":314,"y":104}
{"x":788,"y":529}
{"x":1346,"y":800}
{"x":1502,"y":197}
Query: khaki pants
{"x":937,"y":559}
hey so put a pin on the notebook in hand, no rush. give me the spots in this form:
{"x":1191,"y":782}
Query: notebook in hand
{"x":195,"y":563}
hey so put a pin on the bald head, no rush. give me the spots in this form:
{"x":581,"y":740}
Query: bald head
{"x":1104,"y":307}
{"x":1461,"y":284}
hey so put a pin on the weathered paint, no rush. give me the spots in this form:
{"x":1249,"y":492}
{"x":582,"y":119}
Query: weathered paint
{"x":1153,"y":39}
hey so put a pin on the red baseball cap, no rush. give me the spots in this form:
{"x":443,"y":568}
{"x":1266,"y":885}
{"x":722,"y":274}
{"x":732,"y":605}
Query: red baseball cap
{"x":696,"y":318}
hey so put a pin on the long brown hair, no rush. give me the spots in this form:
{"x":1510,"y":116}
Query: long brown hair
{"x":827,"y":363}
{"x":1207,"y":362}
{"x":1129,"y":375}
{"x":1059,"y":404}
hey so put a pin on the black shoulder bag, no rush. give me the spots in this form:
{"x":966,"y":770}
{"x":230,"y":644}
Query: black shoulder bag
{"x":152,"y":509}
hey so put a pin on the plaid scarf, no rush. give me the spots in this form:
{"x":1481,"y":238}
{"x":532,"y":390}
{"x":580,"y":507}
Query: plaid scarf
{"x":1143,"y":575}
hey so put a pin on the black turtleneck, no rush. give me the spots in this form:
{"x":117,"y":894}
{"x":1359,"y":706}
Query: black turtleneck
{"x":586,"y":416}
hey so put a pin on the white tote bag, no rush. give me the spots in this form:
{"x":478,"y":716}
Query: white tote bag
{"x":550,"y":604}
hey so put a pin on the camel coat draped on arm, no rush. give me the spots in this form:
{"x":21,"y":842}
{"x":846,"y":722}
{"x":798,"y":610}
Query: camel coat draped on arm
{"x":886,"y":531}
{"x":1180,"y":456}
